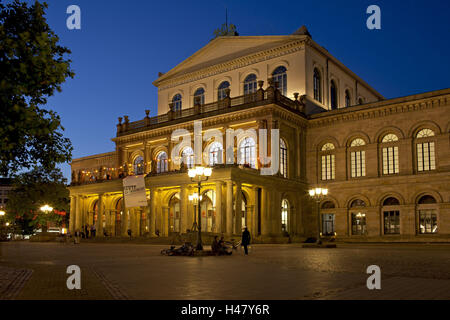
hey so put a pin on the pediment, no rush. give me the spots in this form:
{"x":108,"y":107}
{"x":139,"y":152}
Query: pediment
{"x":225,"y":49}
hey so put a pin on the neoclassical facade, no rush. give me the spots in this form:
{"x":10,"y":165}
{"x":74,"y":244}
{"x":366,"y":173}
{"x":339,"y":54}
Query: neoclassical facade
{"x":386,"y":162}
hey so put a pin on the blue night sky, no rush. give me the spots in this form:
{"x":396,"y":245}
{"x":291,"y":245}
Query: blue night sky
{"x":124,"y":44}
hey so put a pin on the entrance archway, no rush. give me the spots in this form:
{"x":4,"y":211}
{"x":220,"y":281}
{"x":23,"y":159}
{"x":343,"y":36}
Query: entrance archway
{"x":174,"y":214}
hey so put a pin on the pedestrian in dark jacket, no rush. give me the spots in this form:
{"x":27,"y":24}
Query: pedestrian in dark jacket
{"x":245,"y":240}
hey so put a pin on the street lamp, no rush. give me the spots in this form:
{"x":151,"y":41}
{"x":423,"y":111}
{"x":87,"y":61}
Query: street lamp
{"x":318,"y":194}
{"x":194,"y":199}
{"x":46,"y":209}
{"x":2,"y":213}
{"x":199,"y":174}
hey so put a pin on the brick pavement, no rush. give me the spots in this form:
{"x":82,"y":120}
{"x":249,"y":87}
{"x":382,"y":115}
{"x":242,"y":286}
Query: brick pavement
{"x":131,"y":271}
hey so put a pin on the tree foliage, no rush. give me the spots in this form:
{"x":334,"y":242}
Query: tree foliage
{"x":34,"y":189}
{"x":32,"y":67}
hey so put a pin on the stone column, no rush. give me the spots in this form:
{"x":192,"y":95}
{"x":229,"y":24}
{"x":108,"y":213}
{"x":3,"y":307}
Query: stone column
{"x":72,"y":215}
{"x":238,"y":209}
{"x":229,"y":217}
{"x":265,"y":224}
{"x":276,"y":213}
{"x":124,"y":219}
{"x":99,"y":223}
{"x":183,"y":209}
{"x":254,"y":221}
{"x":151,"y":216}
{"x":165,"y":221}
{"x":77,"y":213}
{"x":218,"y":207}
{"x":132,"y":222}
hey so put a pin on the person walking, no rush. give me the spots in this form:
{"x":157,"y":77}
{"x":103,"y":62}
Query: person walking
{"x":93,"y":231}
{"x":245,"y":240}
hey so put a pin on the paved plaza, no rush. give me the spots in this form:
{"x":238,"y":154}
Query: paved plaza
{"x":138,"y":271}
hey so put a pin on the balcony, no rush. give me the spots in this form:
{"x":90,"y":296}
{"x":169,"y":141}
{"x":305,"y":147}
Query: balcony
{"x":261,"y":97}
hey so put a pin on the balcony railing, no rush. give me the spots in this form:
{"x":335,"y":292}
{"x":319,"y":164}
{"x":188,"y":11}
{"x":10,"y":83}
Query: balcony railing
{"x":228,"y":104}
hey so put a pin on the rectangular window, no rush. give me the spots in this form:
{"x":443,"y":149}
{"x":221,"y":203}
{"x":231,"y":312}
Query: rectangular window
{"x":427,"y":221}
{"x":391,"y":222}
{"x":358,"y":223}
{"x":358,"y":164}
{"x":328,"y":165}
{"x":426,"y":156}
{"x":390,"y":160}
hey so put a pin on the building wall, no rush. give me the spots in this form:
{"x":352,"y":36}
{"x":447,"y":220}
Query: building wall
{"x":371,"y":124}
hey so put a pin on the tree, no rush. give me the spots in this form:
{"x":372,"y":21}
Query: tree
{"x":34,"y":189}
{"x":32,"y":67}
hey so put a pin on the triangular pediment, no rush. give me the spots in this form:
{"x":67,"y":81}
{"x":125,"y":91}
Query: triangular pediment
{"x":225,"y":49}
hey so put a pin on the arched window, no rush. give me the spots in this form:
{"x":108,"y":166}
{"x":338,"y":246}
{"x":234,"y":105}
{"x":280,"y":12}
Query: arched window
{"x":426,"y":158}
{"x":247,"y":152}
{"x":427,"y":215}
{"x":390,"y":154}
{"x":358,"y":217}
{"x":347,"y":98}
{"x":333,"y":95}
{"x":360,"y":101}
{"x":391,"y":216}
{"x":215,"y":154}
{"x":285,"y":216}
{"x":328,"y":205}
{"x":176,"y":100}
{"x":199,"y":95}
{"x":328,"y":161}
{"x":221,"y":90}
{"x":250,"y":84}
{"x":317,"y":85}
{"x":138,"y":165}
{"x":162,"y":162}
{"x":357,"y":158}
{"x":279,"y":75}
{"x":283,"y":159}
{"x":187,"y":156}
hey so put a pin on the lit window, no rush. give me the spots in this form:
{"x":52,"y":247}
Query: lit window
{"x":283,"y":158}
{"x":391,"y":222}
{"x":139,"y":165}
{"x":199,"y":95}
{"x":390,"y":154}
{"x":280,"y":76}
{"x":426,"y":157}
{"x":359,"y":223}
{"x":250,"y":84}
{"x":248,"y":152}
{"x":328,"y":162}
{"x":215,"y":154}
{"x":176,"y":100}
{"x":221,"y":90}
{"x":161,"y":162}
{"x":187,"y":156}
{"x":357,"y":159}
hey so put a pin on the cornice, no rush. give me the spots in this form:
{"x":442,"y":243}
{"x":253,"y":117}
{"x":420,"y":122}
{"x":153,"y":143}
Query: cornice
{"x":377,"y":111}
{"x":233,"y":64}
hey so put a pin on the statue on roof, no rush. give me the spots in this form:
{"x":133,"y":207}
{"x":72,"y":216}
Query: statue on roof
{"x":226,"y":29}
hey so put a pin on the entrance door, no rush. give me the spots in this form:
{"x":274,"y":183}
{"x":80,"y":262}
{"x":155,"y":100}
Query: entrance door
{"x":328,"y":224}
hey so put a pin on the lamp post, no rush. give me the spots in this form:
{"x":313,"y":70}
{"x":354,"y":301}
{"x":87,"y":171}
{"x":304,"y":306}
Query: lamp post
{"x":195,"y":201}
{"x":318,"y":194}
{"x":199,"y":174}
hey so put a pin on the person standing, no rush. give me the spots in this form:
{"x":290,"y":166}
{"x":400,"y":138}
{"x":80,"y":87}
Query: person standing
{"x":245,"y":240}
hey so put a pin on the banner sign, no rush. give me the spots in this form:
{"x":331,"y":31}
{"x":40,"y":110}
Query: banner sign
{"x":134,"y":191}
